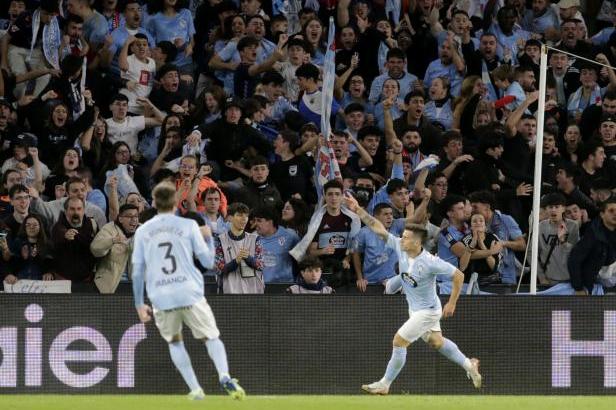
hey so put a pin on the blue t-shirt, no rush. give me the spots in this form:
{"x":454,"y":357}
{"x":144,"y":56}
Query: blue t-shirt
{"x":310,"y":107}
{"x":165,"y":28}
{"x":446,"y":239}
{"x":277,"y":263}
{"x":379,"y":261}
{"x":437,"y":69}
{"x":506,"y":229}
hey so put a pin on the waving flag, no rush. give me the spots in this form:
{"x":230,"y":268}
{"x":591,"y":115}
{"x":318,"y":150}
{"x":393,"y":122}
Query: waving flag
{"x":326,"y":165}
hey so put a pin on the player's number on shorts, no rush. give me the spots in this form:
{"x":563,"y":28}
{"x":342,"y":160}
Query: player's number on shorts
{"x":169,"y":256}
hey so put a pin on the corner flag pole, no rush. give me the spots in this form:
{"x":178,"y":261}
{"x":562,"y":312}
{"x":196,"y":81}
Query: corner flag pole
{"x":537,"y":178}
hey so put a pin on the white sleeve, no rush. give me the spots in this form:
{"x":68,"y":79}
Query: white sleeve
{"x":137,"y":123}
{"x":203,"y":250}
{"x":393,"y":285}
{"x":440,"y":267}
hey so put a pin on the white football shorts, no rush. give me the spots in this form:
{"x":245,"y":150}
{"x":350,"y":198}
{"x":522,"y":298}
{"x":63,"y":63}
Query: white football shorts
{"x":198,"y":317}
{"x":421,"y":324}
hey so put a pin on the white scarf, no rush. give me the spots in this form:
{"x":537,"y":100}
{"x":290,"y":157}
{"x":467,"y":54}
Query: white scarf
{"x":485,"y":77}
{"x":51,"y":39}
{"x":394,"y":7}
{"x":576,"y":97}
{"x":299,"y":251}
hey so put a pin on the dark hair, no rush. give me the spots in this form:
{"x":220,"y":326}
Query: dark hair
{"x":141,"y":36}
{"x":258,"y":160}
{"x":17,"y":189}
{"x":227,"y":25}
{"x":165,"y":69}
{"x":291,"y":137}
{"x":333,"y":184}
{"x":417,"y":230}
{"x":127,"y":207}
{"x":246,"y":41}
{"x":272,"y":76}
{"x":450,"y":200}
{"x":396,"y":53}
{"x":414,"y":93}
{"x":161,"y":175}
{"x":41,"y":238}
{"x":119,"y":97}
{"x":553,"y":199}
{"x":603,"y":205}
{"x":49,"y":6}
{"x":198,"y":114}
{"x":73,"y":18}
{"x":238,"y":208}
{"x":380,"y":206}
{"x":70,"y":65}
{"x":267,"y":213}
{"x":369,"y":130}
{"x":302,"y":214}
{"x":59,"y":169}
{"x":353,"y":107}
{"x":484,"y":197}
{"x":308,"y":70}
{"x":394,"y":185}
{"x":169,"y":49}
{"x":451,"y":135}
{"x":309,"y":263}
{"x":588,"y":149}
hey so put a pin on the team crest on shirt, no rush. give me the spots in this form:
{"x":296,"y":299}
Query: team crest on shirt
{"x":293,"y":170}
{"x":409,"y":279}
{"x":281,"y":241}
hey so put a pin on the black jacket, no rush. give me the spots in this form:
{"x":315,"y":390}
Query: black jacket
{"x":596,"y":249}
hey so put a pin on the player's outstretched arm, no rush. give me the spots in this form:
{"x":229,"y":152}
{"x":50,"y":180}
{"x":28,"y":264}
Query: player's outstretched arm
{"x":450,"y":306}
{"x":374,"y":224}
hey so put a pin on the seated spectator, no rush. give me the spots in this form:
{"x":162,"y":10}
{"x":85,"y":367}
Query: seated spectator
{"x":276,"y":242}
{"x":310,"y":281}
{"x":31,"y":250}
{"x":239,"y":256}
{"x":596,"y":249}
{"x":71,"y":237}
{"x":113,"y":247}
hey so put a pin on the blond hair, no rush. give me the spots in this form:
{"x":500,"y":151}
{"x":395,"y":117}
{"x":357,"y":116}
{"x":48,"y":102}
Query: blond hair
{"x":164,"y":196}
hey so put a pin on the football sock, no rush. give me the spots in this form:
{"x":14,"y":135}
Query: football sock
{"x":216,"y":350}
{"x":180,"y":359}
{"x":451,"y":351}
{"x":396,"y":363}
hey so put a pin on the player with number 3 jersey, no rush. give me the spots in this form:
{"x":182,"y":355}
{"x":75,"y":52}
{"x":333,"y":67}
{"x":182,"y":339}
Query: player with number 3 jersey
{"x":163,"y":256}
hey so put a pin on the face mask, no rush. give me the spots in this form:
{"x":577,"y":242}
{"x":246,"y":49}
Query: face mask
{"x":363,"y":195}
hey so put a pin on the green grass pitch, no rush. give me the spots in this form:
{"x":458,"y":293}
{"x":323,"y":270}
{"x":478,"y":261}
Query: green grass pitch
{"x":393,"y":402}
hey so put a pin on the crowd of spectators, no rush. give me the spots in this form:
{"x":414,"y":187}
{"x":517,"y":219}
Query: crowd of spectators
{"x":434,"y":121}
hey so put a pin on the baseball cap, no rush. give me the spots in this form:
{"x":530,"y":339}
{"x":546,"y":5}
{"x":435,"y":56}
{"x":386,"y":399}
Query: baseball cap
{"x":607,"y":117}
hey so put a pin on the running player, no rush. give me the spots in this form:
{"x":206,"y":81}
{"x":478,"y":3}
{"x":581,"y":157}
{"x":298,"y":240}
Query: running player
{"x":164,"y":248}
{"x":418,"y":271}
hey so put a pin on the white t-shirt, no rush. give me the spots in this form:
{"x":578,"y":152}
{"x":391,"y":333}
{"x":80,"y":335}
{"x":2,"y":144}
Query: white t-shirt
{"x":126,"y":131}
{"x":142,"y":74}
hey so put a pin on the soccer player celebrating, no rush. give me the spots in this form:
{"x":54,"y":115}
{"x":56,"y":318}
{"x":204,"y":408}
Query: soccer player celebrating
{"x":418,"y":271}
{"x":164,"y":247}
